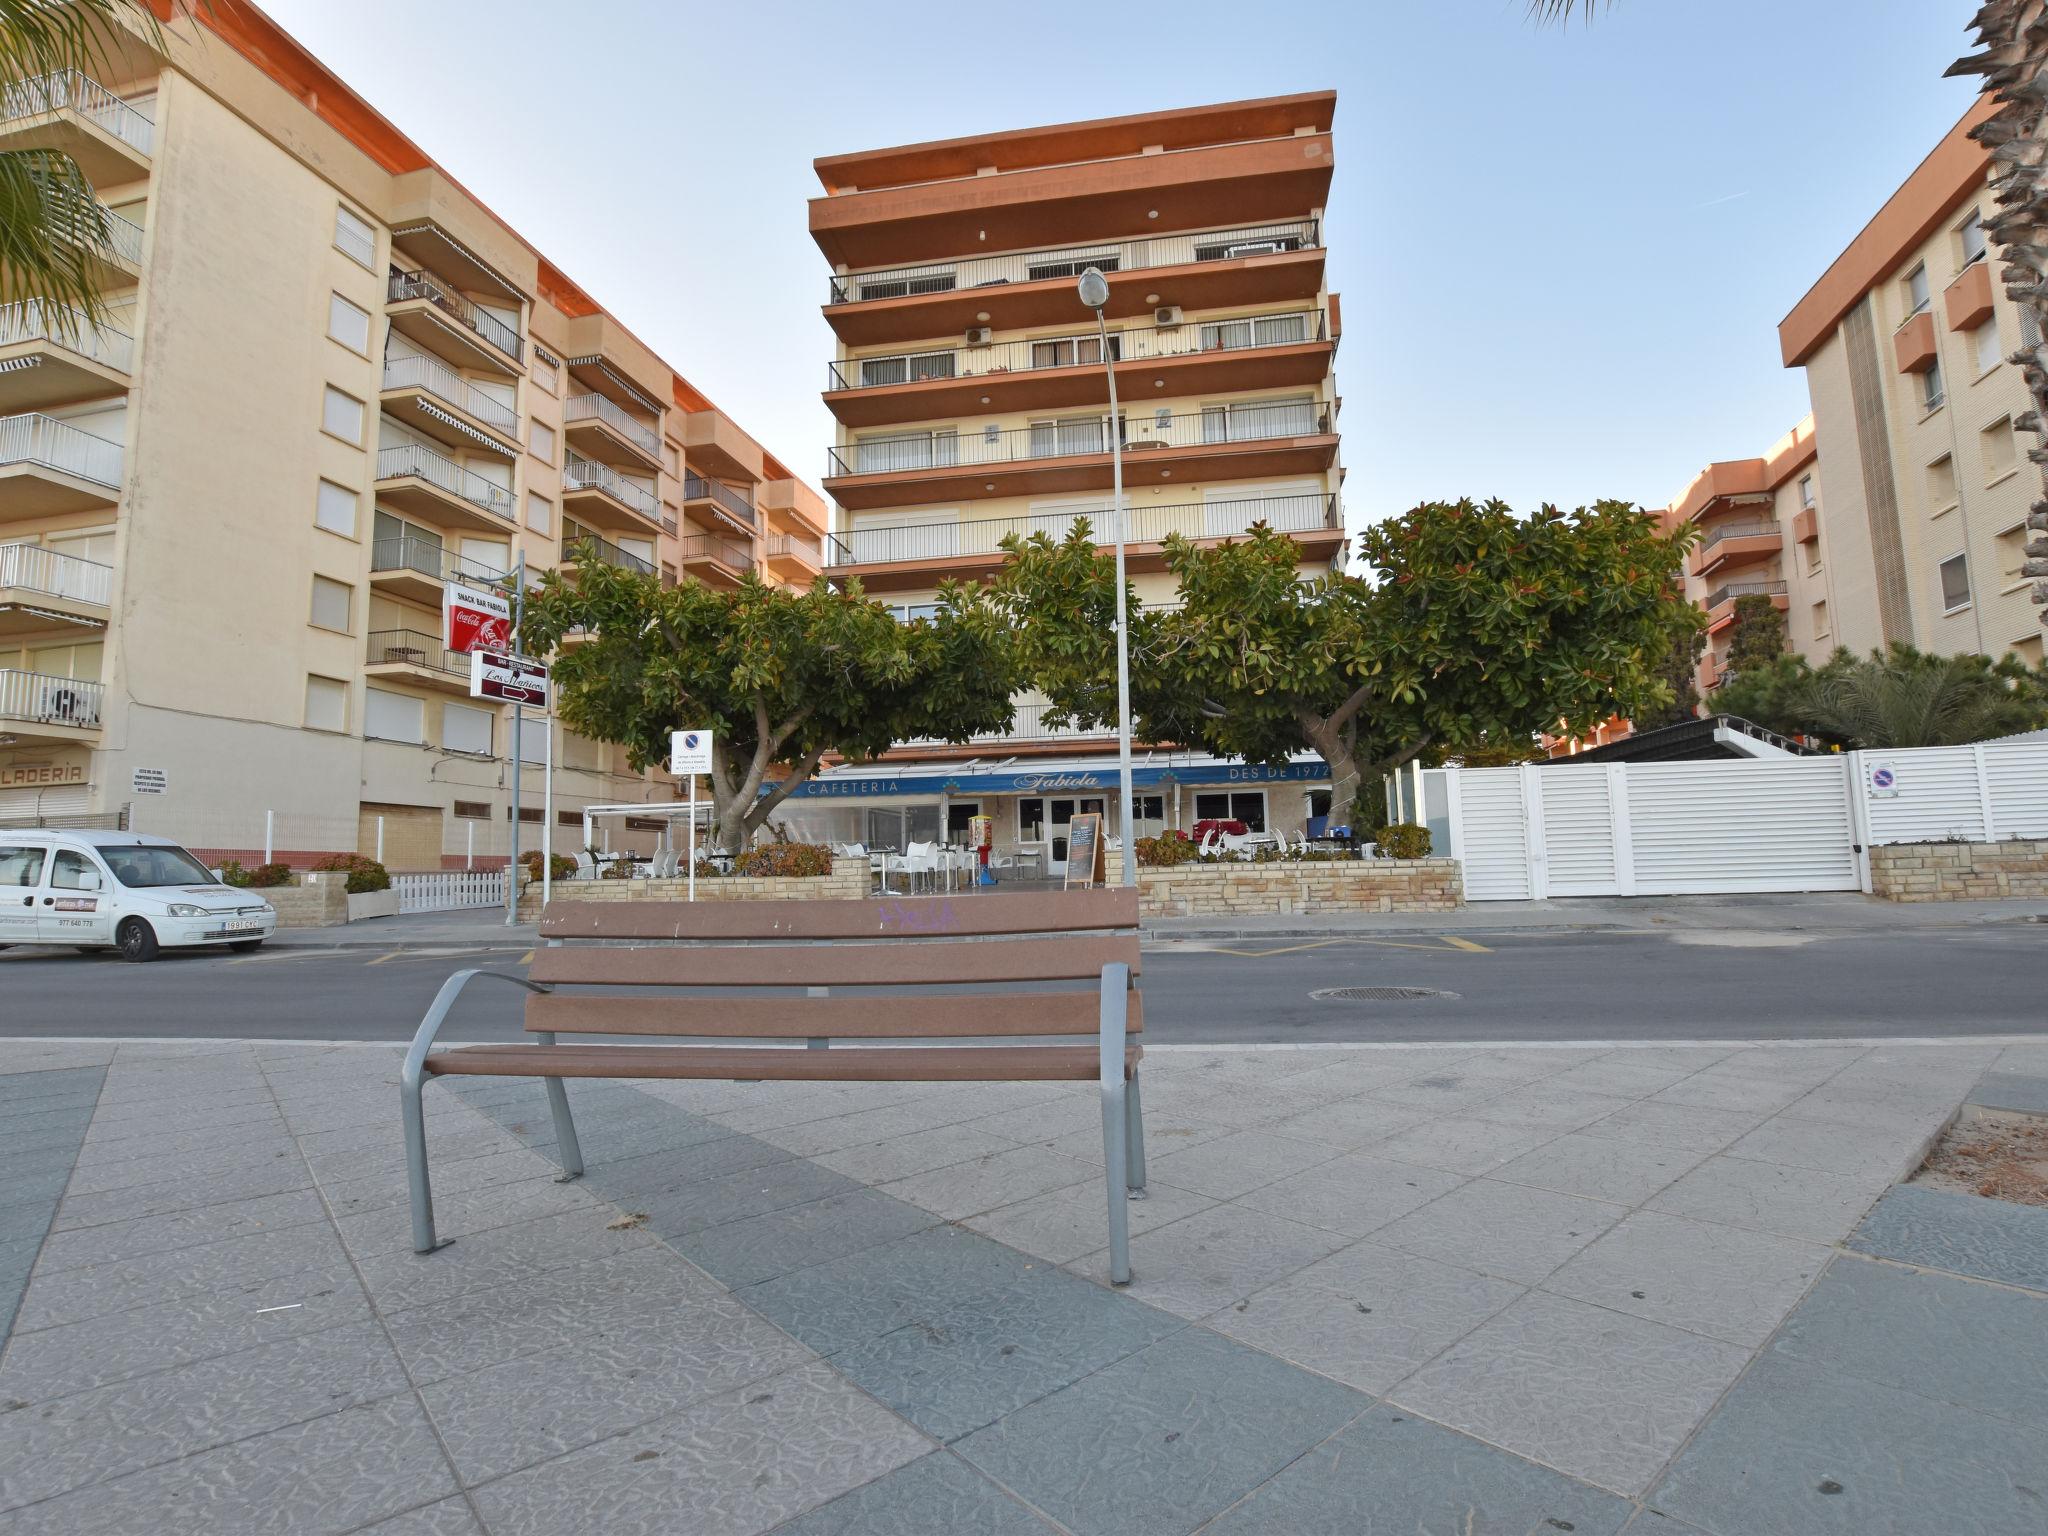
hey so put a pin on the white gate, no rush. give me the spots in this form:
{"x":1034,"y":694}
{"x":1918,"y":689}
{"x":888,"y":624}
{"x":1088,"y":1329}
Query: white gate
{"x":451,"y":890}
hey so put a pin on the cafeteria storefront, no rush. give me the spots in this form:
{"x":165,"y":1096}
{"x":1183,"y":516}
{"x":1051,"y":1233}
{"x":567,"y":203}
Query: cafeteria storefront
{"x":891,"y":805}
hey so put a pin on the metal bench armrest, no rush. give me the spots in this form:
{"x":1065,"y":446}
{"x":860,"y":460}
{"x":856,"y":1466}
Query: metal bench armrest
{"x":437,"y":1015}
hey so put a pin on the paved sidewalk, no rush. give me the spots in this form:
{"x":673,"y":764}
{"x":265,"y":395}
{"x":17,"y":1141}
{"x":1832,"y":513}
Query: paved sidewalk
{"x":1386,"y":1290}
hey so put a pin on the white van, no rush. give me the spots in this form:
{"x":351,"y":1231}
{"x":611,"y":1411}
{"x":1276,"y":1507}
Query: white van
{"x":124,"y":889}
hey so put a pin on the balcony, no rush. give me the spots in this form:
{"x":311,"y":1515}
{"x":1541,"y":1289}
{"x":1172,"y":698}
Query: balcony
{"x":41,"y":589}
{"x":412,"y":656}
{"x":117,"y":263}
{"x":430,"y":312}
{"x":420,"y":569}
{"x":1206,"y":357}
{"x":576,"y":538}
{"x":418,"y":480}
{"x":110,"y":140}
{"x":1235,"y":441}
{"x":433,"y":399}
{"x":790,"y":504}
{"x":48,"y":466}
{"x":1728,"y":545}
{"x":1028,"y":723}
{"x":792,"y":556}
{"x":718,"y":504}
{"x":916,"y":554}
{"x":1720,"y":603}
{"x":599,"y":494}
{"x":51,"y":355}
{"x":714,"y":561}
{"x":608,"y":434}
{"x":1259,"y":264}
{"x":43,"y":707}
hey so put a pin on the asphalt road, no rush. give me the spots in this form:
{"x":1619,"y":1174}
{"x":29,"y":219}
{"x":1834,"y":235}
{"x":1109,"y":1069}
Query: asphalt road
{"x":1531,"y":987}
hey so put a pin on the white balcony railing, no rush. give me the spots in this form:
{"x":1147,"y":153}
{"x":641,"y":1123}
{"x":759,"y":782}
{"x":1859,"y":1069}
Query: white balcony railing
{"x":34,"y":568}
{"x":124,"y":236}
{"x":793,"y":546}
{"x":45,"y":699}
{"x":581,"y":474}
{"x":60,"y":325}
{"x":436,"y":378}
{"x":595,"y":407}
{"x":1027,"y":723}
{"x":1303,"y":513}
{"x":409,"y":459}
{"x":83,"y":95}
{"x":42,"y":440}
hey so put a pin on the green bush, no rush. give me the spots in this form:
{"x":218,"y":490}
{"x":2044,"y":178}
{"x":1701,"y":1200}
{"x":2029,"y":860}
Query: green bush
{"x":787,"y":861}
{"x":1166,"y":851}
{"x":364,"y":875}
{"x":560,"y":866}
{"x":1402,"y":842}
{"x":262,"y":877}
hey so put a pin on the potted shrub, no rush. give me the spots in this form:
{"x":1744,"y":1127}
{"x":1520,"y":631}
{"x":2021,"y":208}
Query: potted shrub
{"x":367,"y":883}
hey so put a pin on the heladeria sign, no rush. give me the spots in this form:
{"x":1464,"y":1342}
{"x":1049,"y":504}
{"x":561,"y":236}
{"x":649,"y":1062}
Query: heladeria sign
{"x":507,"y":679}
{"x":475,"y":619}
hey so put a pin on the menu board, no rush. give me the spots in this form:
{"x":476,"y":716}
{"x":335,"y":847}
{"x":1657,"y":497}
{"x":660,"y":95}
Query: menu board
{"x":1085,"y":856}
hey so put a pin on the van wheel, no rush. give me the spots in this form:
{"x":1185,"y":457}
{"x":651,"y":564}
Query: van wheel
{"x":243,"y":946}
{"x":137,"y":940}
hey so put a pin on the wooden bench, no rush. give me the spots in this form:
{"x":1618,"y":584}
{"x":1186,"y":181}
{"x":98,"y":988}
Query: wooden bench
{"x":905,"y":946}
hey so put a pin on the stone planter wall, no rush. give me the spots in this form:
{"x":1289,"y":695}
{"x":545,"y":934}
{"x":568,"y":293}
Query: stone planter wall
{"x":1959,"y":871}
{"x":368,"y":904}
{"x":319,"y":900}
{"x":1320,"y":885}
{"x":849,"y":881}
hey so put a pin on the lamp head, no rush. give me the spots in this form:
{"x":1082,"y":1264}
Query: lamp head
{"x":1094,"y":288}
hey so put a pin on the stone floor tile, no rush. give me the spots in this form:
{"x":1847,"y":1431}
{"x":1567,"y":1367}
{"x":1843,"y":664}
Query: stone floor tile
{"x":1164,"y":1439}
{"x":144,"y":1235}
{"x":731,"y":1465}
{"x":329,"y":1474}
{"x":1962,"y":1341}
{"x":1798,"y":1202}
{"x":448,"y":1517}
{"x":1392,"y":1474}
{"x":1164,"y":1134}
{"x":1727,"y":1284}
{"x":1675,"y":1127}
{"x":1506,"y":1230}
{"x":1235,"y":1164}
{"x":25,"y":1183}
{"x":1207,"y":1261}
{"x":1038,"y":1124}
{"x":1914,"y":1109}
{"x":2022,"y":1091}
{"x":691,"y":1205}
{"x":680,"y":1173}
{"x":936,"y":1495}
{"x":56,"y":1296}
{"x":1601,"y":1396}
{"x":65,"y":1443}
{"x":1001,"y":1178}
{"x":1796,"y":1450}
{"x":1597,"y":1168}
{"x":1965,"y":1234}
{"x":496,"y":1257}
{"x":1449,"y":1089}
{"x":1367,"y":1315}
{"x":1348,"y":1124}
{"x":1463,"y":1145}
{"x":271,"y":1176}
{"x":353,"y":1196}
{"x":1353,"y":1195}
{"x":1874,"y":1151}
{"x":742,"y":1253}
{"x":460,"y":1212}
{"x":961,"y":1367}
{"x":1545,"y":1104}
{"x":1742,"y":1093}
{"x":1793,"y":1063}
{"x":1649,"y":1522}
{"x":1063,"y":1224}
{"x":877,"y":1162}
{"x":1625,"y":1075}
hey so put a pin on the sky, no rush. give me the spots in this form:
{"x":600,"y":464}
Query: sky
{"x":1563,"y":253}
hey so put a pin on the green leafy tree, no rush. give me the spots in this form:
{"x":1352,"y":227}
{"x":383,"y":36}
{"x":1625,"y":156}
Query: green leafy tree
{"x":1679,"y":672}
{"x":781,"y":678}
{"x":1896,"y":698}
{"x":1477,"y":625}
{"x":1757,"y":637}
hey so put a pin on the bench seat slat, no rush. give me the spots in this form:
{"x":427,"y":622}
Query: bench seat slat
{"x":900,"y":917}
{"x":847,"y":965}
{"x":973,"y":1064}
{"x":849,"y":1018}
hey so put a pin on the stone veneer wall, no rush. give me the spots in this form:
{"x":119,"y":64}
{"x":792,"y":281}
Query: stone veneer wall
{"x":1316,"y":885}
{"x":849,"y":881}
{"x":319,"y":900}
{"x":1959,"y":871}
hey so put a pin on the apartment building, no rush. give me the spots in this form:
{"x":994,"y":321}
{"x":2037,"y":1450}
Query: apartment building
{"x":333,"y":380}
{"x":969,"y":392}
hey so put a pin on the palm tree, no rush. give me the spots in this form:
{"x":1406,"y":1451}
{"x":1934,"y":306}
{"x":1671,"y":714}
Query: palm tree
{"x":1911,"y":700}
{"x":51,"y":223}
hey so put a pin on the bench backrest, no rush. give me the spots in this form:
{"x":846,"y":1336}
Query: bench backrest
{"x":913,"y":943}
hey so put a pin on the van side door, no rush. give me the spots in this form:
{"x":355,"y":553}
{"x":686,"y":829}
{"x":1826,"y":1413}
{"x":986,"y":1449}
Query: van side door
{"x":21,"y":879}
{"x":76,"y":904}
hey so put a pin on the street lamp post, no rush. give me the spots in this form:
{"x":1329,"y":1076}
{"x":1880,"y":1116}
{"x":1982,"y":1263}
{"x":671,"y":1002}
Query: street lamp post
{"x":1094,"y":292}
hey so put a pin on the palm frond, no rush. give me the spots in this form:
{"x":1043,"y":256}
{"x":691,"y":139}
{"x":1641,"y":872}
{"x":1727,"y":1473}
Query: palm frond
{"x":1544,"y":12}
{"x":39,"y":37}
{"x":52,"y":229}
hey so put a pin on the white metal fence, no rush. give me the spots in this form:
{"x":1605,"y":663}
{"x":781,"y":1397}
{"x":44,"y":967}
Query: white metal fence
{"x":450,"y":891}
{"x":37,"y":568}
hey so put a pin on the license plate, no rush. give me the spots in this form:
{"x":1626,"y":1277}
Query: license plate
{"x":240,"y":925}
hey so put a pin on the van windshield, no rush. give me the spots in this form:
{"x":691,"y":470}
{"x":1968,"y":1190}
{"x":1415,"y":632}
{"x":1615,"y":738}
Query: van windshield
{"x":141,"y":867}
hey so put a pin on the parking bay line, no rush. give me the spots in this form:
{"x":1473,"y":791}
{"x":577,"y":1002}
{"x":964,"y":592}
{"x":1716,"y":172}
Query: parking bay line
{"x":1446,"y":942}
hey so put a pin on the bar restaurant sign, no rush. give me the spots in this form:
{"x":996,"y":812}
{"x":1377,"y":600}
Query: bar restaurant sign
{"x":474,"y":619}
{"x":507,"y":679}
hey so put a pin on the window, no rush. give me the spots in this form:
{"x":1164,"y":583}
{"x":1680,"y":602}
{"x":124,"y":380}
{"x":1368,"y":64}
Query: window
{"x":529,"y":813}
{"x":326,"y":704}
{"x":902,"y":287}
{"x":544,"y":370}
{"x":393,"y":716}
{"x":21,"y":866}
{"x":569,"y":819}
{"x":1916,"y":289}
{"x":1941,"y":483}
{"x":1257,"y":419}
{"x":540,"y":513}
{"x":1971,"y":234}
{"x":74,"y":872}
{"x":542,"y":442}
{"x":342,"y":416}
{"x":1067,"y":264}
{"x":910,"y":613}
{"x":1930,"y":387}
{"x":2012,"y":551}
{"x":334,"y":509}
{"x":1955,"y":583}
{"x":1820,"y":619}
{"x":670,"y":461}
{"x":1984,"y":340}
{"x":1070,"y":435}
{"x":1812,"y":549}
{"x":907,"y":369}
{"x":1067,"y":351}
{"x":1806,"y":490}
{"x":331,"y":603}
{"x":2030,"y":328}
{"x":355,"y":239}
{"x":1245,"y":805}
{"x":1264,"y":331}
{"x":918,"y":450}
{"x":464,"y":729}
{"x":1999,"y":450}
{"x":348,"y":324}
{"x":473,"y":810}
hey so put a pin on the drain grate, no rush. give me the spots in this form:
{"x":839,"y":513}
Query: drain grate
{"x":1377,"y":994}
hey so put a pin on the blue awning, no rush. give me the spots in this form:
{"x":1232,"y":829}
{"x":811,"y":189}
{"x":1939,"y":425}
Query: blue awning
{"x":923,"y":779}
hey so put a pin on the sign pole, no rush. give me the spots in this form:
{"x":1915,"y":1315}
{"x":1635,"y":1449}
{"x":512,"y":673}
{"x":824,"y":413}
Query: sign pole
{"x":547,"y":818}
{"x":518,"y":763}
{"x":693,"y":837}
{"x":689,"y":754}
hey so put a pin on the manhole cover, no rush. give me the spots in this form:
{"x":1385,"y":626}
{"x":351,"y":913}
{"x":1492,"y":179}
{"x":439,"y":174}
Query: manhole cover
{"x":1377,"y":994}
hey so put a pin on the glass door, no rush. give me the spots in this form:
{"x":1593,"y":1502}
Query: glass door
{"x":1062,"y":816}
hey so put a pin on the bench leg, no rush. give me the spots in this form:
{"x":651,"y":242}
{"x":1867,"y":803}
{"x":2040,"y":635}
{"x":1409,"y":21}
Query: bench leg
{"x":1115,"y":1146}
{"x":568,"y":1151}
{"x":409,"y":1088}
{"x":1134,"y":1138}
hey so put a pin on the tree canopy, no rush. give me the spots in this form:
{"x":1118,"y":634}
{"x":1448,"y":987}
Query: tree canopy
{"x":1476,"y":625}
{"x":1896,"y":698}
{"x":781,"y":678}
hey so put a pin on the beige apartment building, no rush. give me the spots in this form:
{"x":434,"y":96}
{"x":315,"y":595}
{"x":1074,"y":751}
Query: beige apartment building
{"x":333,"y":380}
{"x":970,"y":400}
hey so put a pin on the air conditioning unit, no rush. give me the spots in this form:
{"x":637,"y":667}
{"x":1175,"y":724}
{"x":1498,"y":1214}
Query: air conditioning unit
{"x":1166,"y":316}
{"x":980,"y":335}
